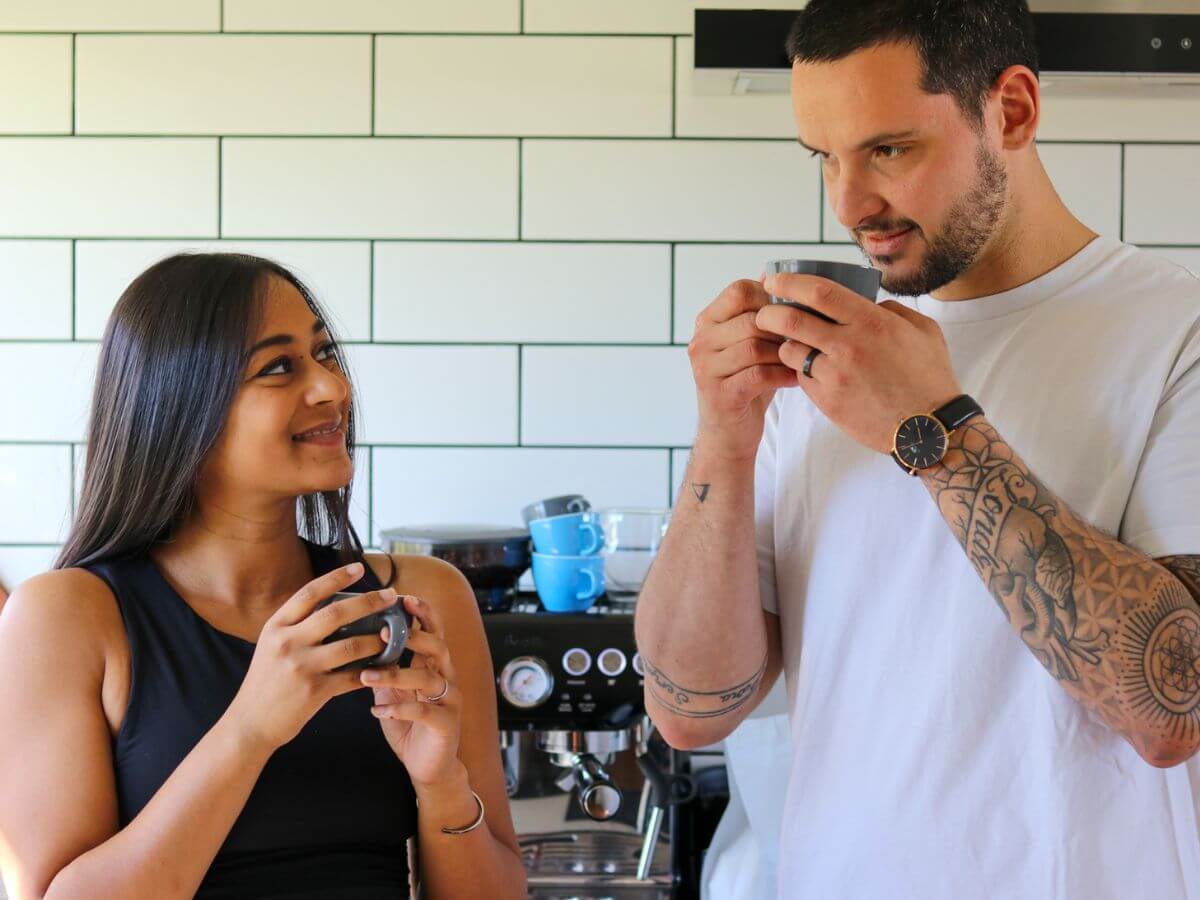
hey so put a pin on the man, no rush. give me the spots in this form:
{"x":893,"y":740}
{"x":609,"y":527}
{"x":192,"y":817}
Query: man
{"x":1038,"y":744}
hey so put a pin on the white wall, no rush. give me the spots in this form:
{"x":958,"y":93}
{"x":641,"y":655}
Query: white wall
{"x":515,"y":211}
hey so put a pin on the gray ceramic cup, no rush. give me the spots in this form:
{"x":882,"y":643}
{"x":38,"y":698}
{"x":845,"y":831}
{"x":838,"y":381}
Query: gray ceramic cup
{"x":555,"y":506}
{"x":862,"y":280}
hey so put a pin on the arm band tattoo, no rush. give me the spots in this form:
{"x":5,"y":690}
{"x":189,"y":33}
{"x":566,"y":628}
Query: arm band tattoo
{"x":695,"y":704}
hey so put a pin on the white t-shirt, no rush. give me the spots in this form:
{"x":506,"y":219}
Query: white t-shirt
{"x":933,"y":755}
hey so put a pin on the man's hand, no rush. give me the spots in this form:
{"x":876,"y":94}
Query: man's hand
{"x":879,"y":363}
{"x":737,"y":369}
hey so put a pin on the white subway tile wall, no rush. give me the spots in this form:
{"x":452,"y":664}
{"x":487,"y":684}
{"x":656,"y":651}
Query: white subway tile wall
{"x":369,"y":188}
{"x":669,"y":190}
{"x":337,"y":272}
{"x":523,"y":86}
{"x":1163,"y":184}
{"x":35,"y":290}
{"x":35,"y":84}
{"x":466,"y":16}
{"x":607,"y":396}
{"x":223,"y":84}
{"x":523,"y":292}
{"x":513,"y":211}
{"x":109,"y":187}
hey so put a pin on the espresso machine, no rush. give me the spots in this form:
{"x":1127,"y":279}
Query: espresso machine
{"x":600,"y":803}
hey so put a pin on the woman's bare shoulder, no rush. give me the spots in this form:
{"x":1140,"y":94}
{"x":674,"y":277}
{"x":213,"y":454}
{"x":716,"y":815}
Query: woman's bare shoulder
{"x":68,"y":614}
{"x":427,"y":577}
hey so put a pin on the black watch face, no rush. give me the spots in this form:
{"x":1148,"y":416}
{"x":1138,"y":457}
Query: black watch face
{"x":921,"y":441}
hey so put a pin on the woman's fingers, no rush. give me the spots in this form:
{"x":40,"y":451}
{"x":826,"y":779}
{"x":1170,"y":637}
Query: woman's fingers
{"x":333,"y":614}
{"x":334,"y":655}
{"x":426,"y":682}
{"x":435,"y":715}
{"x":430,"y":618}
{"x":305,"y":600}
{"x":434,"y":650}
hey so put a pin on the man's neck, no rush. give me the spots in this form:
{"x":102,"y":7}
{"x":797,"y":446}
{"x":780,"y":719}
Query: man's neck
{"x":1037,"y":236}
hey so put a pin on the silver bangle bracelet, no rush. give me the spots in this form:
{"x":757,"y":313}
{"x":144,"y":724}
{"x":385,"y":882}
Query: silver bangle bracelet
{"x":478,"y":821}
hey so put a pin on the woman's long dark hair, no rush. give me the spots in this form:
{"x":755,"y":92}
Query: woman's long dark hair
{"x":171,"y":362}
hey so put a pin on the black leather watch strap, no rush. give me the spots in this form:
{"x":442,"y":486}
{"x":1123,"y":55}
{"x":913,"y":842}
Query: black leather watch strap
{"x":957,"y":411}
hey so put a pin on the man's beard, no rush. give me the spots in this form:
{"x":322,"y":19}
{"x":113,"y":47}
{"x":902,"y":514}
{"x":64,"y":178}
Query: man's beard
{"x":969,"y":224}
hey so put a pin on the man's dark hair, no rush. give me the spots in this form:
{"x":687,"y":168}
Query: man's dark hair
{"x":963,"y":45}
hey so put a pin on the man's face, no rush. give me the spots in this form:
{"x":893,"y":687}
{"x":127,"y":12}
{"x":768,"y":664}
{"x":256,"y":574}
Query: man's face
{"x":905,"y":172}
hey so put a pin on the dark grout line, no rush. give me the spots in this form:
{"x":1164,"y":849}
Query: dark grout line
{"x":1121,"y":198}
{"x":520,"y":393}
{"x":371,"y":495}
{"x":671,"y":321}
{"x":371,"y":292}
{"x":220,"y":184}
{"x":374,"y":41}
{"x":674,"y":87}
{"x":74,"y":284}
{"x":74,"y":80}
{"x":71,"y":459}
{"x":670,"y":477}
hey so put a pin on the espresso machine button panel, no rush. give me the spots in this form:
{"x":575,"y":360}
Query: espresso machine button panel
{"x":576,"y":662}
{"x":612,"y":662}
{"x":564,"y":671}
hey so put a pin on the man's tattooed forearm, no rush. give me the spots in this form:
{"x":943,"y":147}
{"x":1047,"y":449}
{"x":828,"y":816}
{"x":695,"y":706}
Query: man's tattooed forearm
{"x":1108,"y":622}
{"x":1164,"y":640}
{"x":696,"y":704}
{"x":1005,"y":521}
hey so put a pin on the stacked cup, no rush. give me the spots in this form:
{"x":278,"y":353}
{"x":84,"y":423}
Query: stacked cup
{"x":568,"y":569}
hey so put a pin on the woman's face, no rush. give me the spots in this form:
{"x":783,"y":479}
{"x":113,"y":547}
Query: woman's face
{"x":286,"y":432}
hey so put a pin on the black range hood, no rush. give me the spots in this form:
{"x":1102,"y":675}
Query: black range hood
{"x":742,"y":51}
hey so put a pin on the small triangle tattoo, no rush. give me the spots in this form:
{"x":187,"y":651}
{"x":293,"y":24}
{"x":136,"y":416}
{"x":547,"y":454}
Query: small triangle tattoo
{"x":701,"y":491}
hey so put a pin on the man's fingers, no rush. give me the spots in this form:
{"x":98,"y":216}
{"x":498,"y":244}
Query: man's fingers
{"x":740,"y":297}
{"x":751,"y":383}
{"x":839,"y":303}
{"x":743,"y":355}
{"x":798,"y":325}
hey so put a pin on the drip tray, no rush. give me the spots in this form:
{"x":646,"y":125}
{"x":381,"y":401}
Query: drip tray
{"x":582,"y":865}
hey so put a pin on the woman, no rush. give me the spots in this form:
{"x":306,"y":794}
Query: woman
{"x":174,"y":723}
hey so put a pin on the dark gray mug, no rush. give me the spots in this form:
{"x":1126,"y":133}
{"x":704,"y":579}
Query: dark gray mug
{"x":862,"y":280}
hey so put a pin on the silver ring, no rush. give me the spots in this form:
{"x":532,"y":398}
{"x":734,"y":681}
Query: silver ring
{"x":808,"y":361}
{"x":440,"y":697}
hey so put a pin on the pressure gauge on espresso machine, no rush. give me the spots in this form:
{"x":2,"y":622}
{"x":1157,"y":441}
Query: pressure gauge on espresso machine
{"x":526,"y":682}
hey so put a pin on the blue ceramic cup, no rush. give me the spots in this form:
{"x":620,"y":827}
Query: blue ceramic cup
{"x":575,"y":534}
{"x":568,"y":583}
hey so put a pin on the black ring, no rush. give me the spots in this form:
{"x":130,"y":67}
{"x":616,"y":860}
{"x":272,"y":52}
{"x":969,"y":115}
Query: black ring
{"x":808,"y":361}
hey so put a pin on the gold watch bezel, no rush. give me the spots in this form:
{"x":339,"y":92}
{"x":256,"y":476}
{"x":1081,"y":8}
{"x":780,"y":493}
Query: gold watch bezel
{"x":896,"y":435}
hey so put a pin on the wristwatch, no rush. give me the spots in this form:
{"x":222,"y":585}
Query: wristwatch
{"x":921,"y":441}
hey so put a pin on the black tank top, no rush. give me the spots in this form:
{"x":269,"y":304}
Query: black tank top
{"x":332,"y":809}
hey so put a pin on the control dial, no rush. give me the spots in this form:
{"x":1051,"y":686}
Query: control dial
{"x":577,"y":662}
{"x":526,"y":682}
{"x":612,"y":662}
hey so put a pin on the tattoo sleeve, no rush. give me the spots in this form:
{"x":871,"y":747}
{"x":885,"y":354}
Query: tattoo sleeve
{"x":1118,"y":630}
{"x":695,"y":704}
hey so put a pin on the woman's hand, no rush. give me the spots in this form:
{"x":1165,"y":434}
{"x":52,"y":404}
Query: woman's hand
{"x":292,"y":674}
{"x":424,"y":735}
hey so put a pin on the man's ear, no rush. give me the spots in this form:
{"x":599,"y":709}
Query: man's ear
{"x":1020,"y":104}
